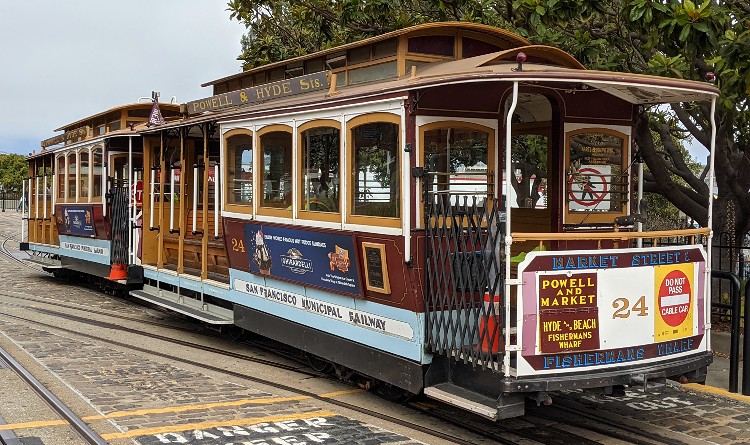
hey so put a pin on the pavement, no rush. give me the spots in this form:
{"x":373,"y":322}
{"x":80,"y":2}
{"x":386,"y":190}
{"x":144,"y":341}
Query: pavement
{"x":718,"y":371}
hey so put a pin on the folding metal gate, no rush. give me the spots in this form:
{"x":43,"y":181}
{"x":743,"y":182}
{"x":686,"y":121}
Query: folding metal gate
{"x":464,"y":277}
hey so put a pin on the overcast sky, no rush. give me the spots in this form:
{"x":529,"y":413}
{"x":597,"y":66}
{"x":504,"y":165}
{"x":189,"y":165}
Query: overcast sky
{"x":65,"y":60}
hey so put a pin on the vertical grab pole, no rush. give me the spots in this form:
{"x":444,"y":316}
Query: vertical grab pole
{"x":36,"y":200}
{"x":217,"y":201}
{"x":195,"y":198}
{"x":23,"y":209}
{"x":171,"y":199}
{"x":508,"y":239}
{"x":639,"y":226}
{"x":44,"y":202}
{"x":709,"y":254}
{"x":131,"y":202}
{"x":151,"y":203}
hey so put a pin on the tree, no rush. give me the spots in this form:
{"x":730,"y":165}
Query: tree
{"x":675,"y":38}
{"x":13,"y":170}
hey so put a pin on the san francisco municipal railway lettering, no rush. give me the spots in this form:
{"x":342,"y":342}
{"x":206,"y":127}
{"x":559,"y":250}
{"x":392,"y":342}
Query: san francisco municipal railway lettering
{"x":568,"y":313}
{"x":329,"y":310}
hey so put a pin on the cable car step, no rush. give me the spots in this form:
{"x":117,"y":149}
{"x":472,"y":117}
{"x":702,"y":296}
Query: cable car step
{"x":205,"y":312}
{"x":464,"y":399}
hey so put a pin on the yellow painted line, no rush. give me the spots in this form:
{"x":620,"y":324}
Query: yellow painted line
{"x":330,"y":395}
{"x":214,"y":424}
{"x":184,"y":408}
{"x":37,"y":424}
{"x":177,"y":409}
{"x":717,"y":391}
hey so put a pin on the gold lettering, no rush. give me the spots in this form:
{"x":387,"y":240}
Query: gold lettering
{"x":286,"y":87}
{"x":303,"y":84}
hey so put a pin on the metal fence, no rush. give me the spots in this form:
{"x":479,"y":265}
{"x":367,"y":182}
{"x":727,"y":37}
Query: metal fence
{"x":10,"y":201}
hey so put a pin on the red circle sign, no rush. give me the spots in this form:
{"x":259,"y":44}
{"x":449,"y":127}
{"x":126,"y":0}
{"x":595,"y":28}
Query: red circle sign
{"x":674,"y":298}
{"x":589,"y":195}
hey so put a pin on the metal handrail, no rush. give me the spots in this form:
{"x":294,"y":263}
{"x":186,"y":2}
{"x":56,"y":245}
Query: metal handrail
{"x":623,"y":236}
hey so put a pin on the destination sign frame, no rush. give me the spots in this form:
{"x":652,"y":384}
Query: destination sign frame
{"x":81,"y":132}
{"x":249,"y":96}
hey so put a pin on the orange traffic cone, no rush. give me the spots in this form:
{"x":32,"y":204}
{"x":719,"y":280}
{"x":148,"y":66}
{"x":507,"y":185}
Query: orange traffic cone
{"x":489,"y":325}
{"x":117,"y":272}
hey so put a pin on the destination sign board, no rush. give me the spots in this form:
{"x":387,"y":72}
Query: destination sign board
{"x":71,"y":135}
{"x":261,"y":93}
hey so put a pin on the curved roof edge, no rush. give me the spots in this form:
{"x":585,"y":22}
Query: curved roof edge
{"x":512,"y":39}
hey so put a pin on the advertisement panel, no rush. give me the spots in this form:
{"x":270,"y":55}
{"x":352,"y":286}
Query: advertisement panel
{"x":586,"y":309}
{"x":77,"y":220}
{"x":323,"y":260}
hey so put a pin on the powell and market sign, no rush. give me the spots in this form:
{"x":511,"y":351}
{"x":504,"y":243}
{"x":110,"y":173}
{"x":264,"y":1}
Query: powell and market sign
{"x":260,"y":93}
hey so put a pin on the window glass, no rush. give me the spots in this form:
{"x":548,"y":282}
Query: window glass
{"x":240,"y":169}
{"x":84,"y":175}
{"x":376,"y":189}
{"x":529,"y":164}
{"x":72,"y":175}
{"x":96,"y":187}
{"x":320,"y":169}
{"x":594,"y":177}
{"x":373,"y":72}
{"x":438,"y":45}
{"x":472,"y":47}
{"x":61,"y":177}
{"x":276,"y":161}
{"x":457,"y":161}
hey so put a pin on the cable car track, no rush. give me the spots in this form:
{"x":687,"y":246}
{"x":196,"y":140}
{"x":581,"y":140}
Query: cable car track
{"x":541,"y":431}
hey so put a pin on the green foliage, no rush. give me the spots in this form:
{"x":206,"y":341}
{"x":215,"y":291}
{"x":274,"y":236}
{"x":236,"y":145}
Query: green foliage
{"x":675,"y":38}
{"x":13,"y":170}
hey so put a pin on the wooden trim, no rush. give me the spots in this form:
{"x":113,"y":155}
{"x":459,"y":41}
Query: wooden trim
{"x":269,"y":211}
{"x":160,"y":178}
{"x":593,"y":217}
{"x":309,"y":214}
{"x":386,"y":289}
{"x":204,"y":228}
{"x":92,"y":167}
{"x":182,"y":215}
{"x":351,"y":124}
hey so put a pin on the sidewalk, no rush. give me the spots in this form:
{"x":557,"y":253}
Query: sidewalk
{"x":718,"y":371}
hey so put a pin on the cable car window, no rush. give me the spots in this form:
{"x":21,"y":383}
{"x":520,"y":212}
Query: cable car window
{"x":320,"y":169}
{"x":457,"y":161}
{"x":276,"y":165}
{"x":83,"y":159}
{"x":240,"y":169}
{"x":96,"y":186}
{"x":61,"y":177}
{"x":72,"y":175}
{"x":376,"y":189}
{"x":594,"y":179}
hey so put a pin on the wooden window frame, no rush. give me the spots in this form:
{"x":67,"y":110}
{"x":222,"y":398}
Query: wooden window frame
{"x":92,"y":167}
{"x":351,"y":124}
{"x":62,"y":174}
{"x":68,"y":198}
{"x":258,"y":156}
{"x":310,"y":214}
{"x":491,"y":149}
{"x":594,"y":217}
{"x":79,"y":189}
{"x":234,"y":207}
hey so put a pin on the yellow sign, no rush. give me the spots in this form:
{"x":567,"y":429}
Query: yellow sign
{"x":674,"y":300}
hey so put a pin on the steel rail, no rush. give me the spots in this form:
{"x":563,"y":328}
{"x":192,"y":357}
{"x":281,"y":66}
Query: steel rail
{"x":83,"y":430}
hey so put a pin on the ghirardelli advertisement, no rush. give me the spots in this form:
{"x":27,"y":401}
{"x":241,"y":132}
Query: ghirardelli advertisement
{"x":318,"y":259}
